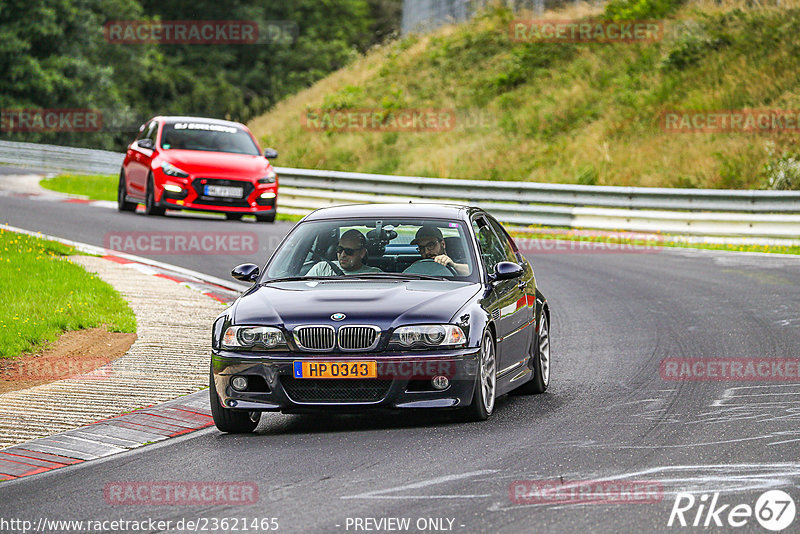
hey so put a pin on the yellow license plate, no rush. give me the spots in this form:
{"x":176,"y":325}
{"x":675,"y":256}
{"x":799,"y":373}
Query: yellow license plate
{"x":336,"y":369}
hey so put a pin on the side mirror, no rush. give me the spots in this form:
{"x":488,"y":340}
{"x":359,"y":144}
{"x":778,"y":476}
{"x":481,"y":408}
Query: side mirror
{"x":270,"y":153}
{"x":246,"y":272}
{"x":506,"y":270}
{"x":147,"y":143}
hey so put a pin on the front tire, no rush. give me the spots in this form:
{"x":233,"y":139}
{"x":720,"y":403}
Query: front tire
{"x":269,"y":217}
{"x":234,"y":216}
{"x":150,"y":207}
{"x":122,"y":191}
{"x":483,"y":398}
{"x":230,"y":421}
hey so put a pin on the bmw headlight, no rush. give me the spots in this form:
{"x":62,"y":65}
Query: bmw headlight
{"x":171,"y":170}
{"x":428,"y":336}
{"x":253,"y":338}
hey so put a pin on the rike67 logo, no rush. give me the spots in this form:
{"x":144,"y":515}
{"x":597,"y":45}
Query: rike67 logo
{"x":774,"y":510}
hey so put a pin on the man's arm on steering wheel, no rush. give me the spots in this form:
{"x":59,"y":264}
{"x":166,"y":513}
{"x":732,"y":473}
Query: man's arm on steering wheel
{"x":460,"y":268}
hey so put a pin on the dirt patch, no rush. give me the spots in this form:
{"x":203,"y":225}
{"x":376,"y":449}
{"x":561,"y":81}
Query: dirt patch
{"x":82,"y":353}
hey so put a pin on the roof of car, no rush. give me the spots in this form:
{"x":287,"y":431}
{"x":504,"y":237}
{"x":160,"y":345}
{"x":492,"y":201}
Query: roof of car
{"x":176,"y":118}
{"x":422,"y":209}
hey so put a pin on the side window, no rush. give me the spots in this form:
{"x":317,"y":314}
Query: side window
{"x":149,"y":132}
{"x":492,"y":249}
{"x":508,"y":244}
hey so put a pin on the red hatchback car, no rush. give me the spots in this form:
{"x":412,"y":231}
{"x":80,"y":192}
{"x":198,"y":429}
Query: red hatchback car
{"x":199,"y":164}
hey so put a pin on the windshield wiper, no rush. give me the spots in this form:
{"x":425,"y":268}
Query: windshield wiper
{"x":299,"y":278}
{"x":401,"y":276}
{"x":393,"y":276}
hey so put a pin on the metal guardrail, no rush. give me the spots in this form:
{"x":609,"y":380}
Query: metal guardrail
{"x":542,"y":193}
{"x":693,"y":211}
{"x":60,"y":158}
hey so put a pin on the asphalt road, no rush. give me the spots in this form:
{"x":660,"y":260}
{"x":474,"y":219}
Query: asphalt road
{"x":242,"y":241}
{"x":608,"y":416}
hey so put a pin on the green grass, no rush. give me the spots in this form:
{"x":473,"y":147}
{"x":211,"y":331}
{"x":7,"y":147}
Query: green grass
{"x":44,"y":294}
{"x":559,"y":112}
{"x":93,"y":186}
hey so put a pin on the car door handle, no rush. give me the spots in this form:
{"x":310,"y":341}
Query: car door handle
{"x":522,"y":285}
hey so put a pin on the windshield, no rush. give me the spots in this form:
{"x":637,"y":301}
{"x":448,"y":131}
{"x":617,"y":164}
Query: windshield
{"x":207,"y":137}
{"x":376,"y":248}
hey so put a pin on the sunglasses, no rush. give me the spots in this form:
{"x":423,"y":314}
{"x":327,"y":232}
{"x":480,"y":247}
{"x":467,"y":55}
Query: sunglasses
{"x":427,"y":246}
{"x":347,"y":251}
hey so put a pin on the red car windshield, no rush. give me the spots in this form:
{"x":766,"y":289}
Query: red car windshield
{"x":207,"y":137}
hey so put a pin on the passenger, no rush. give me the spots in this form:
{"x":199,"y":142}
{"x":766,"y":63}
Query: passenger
{"x":352,"y":251}
{"x":431,"y":246}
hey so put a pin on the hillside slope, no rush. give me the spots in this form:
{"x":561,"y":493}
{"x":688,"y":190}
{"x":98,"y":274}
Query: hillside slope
{"x":564,"y":112}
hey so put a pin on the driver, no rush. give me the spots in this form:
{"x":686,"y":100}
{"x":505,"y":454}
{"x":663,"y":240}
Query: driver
{"x":431,"y":246}
{"x":351,"y":252}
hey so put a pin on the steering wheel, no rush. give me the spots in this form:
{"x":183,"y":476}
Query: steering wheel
{"x":450,"y":269}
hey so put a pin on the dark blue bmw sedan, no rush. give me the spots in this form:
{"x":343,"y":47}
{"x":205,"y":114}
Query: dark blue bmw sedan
{"x":382,"y":306}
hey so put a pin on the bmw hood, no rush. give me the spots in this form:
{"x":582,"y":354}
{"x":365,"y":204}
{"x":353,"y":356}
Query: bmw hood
{"x":386,"y":304}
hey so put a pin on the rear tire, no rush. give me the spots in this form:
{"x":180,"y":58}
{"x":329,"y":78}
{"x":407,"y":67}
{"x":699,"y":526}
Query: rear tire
{"x":485,"y":393}
{"x":269,"y":217}
{"x":122,"y":191}
{"x":541,"y":361}
{"x":150,"y":207}
{"x":230,"y":421}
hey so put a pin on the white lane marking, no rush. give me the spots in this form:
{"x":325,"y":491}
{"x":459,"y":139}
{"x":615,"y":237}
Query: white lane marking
{"x":380,"y":494}
{"x":634,"y":402}
{"x":769,"y":390}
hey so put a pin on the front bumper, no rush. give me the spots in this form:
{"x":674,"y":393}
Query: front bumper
{"x":192,"y":198}
{"x":260,"y":206}
{"x":403,"y":382}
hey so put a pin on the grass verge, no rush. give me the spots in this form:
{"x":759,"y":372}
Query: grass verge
{"x":45,"y":294}
{"x":93,"y":186}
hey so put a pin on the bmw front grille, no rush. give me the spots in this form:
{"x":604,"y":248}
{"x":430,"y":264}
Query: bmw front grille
{"x":325,"y":338}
